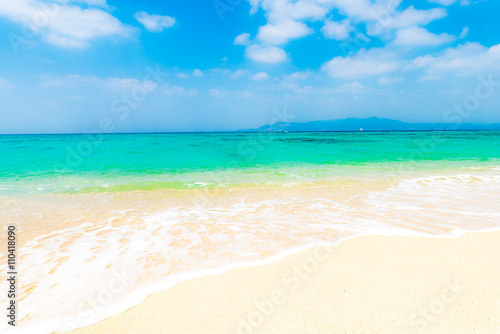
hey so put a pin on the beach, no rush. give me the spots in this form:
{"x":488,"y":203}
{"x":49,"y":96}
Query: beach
{"x":96,"y":237}
{"x":367,"y":284}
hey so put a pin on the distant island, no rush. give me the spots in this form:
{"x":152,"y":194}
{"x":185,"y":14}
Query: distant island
{"x":368,"y":124}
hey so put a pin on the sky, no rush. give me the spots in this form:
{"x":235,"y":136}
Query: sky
{"x":221,"y":65}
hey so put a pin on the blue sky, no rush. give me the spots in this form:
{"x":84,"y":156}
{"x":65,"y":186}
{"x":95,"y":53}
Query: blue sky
{"x":127,"y":66}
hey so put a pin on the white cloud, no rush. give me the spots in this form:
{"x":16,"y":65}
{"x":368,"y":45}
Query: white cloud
{"x":115,"y":84}
{"x":154,"y":23}
{"x":337,"y":30}
{"x":285,"y":18}
{"x":261,"y":53}
{"x":470,"y":59}
{"x":111,"y":83}
{"x":297,"y":76}
{"x":238,"y":74}
{"x":65,"y":25}
{"x":254,"y":6}
{"x":464,"y":33}
{"x":296,"y":87}
{"x":266,"y":54}
{"x":345,"y":88}
{"x":183,"y":75}
{"x":77,"y":26}
{"x":282,"y":32}
{"x":291,"y":19}
{"x":197,"y":73}
{"x":281,"y":10}
{"x":414,"y":17}
{"x":290,"y":81}
{"x":417,"y":36}
{"x":99,"y":3}
{"x":242,"y":39}
{"x":260,"y":76}
{"x":362,"y":64}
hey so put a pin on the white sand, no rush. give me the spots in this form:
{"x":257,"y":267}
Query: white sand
{"x":368,"y":284}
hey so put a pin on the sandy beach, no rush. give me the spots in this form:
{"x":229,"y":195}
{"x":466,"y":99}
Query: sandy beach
{"x":367,"y":284}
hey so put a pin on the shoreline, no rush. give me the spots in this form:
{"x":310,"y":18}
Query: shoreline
{"x":154,"y":305}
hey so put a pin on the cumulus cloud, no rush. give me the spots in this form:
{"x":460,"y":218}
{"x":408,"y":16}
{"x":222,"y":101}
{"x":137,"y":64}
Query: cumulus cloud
{"x":238,"y":74}
{"x":282,"y":32}
{"x":266,"y":54}
{"x":362,"y":64}
{"x":291,"y":81}
{"x":337,"y":30}
{"x":297,"y":76}
{"x":242,"y":39}
{"x":260,"y":76}
{"x":390,"y":20}
{"x":288,"y":20}
{"x":197,"y":73}
{"x":470,"y":59}
{"x":63,"y":24}
{"x":261,"y":53}
{"x":154,"y":23}
{"x":417,"y":36}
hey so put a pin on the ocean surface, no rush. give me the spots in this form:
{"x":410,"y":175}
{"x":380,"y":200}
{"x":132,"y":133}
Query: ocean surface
{"x":104,"y":220}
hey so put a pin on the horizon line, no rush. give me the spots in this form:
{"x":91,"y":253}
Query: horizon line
{"x":240,"y":131}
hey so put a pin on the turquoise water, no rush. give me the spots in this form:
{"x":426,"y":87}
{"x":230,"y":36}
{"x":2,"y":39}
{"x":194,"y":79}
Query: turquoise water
{"x":181,"y":161}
